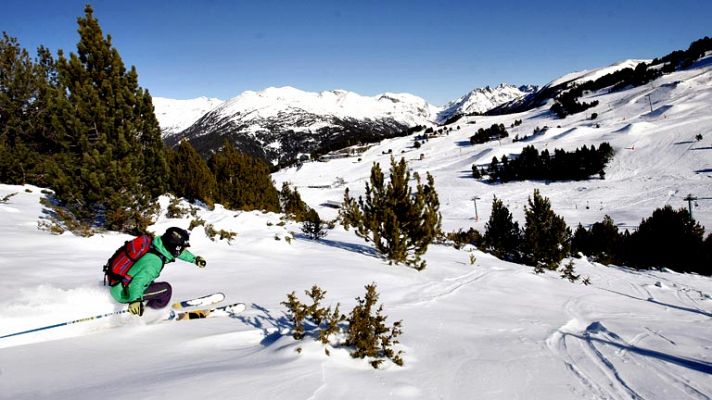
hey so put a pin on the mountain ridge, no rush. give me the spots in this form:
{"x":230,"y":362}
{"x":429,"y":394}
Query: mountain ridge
{"x":284,"y":124}
{"x":481,"y":100}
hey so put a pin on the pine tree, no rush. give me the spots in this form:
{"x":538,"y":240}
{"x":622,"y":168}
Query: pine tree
{"x":115,"y":166}
{"x":493,"y":170}
{"x":155,"y":166}
{"x":581,"y":241}
{"x":400,"y":223}
{"x":17,"y":89}
{"x":26,"y":138}
{"x":313,"y":226}
{"x":502,"y":235}
{"x":546,"y":237}
{"x":190,"y":176}
{"x":569,"y":272}
{"x":368,"y":333}
{"x":297,"y":312}
{"x":605,"y":241}
{"x":669,"y":238}
{"x":476,"y":172}
{"x":292,"y":203}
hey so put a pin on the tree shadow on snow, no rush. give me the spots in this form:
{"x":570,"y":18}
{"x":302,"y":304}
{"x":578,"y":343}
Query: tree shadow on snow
{"x":466,"y":174}
{"x":651,"y":300}
{"x":274,"y":328}
{"x":697,"y":365}
{"x":354,"y":248}
{"x":270,"y":325}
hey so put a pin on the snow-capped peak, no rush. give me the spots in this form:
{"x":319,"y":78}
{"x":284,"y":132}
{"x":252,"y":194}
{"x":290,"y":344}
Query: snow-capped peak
{"x":175,"y":115}
{"x":481,"y":100}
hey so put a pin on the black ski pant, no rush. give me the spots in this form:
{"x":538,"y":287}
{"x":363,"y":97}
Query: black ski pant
{"x":157,"y":295}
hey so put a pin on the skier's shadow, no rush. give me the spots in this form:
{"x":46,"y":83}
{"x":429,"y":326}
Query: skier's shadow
{"x":271,"y":326}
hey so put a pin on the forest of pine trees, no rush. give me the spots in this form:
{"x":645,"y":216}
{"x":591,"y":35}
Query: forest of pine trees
{"x":81,"y":125}
{"x":668,"y":238}
{"x":190,"y":176}
{"x":494,"y":132}
{"x":243,"y":182}
{"x":532,"y":165}
{"x":567,"y":103}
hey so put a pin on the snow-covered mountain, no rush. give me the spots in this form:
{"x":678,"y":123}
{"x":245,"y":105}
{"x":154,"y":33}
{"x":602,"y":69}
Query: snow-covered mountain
{"x":176,"y":115}
{"x":282,"y":124}
{"x":481,"y":100}
{"x":658,"y":158}
{"x":544,"y":94}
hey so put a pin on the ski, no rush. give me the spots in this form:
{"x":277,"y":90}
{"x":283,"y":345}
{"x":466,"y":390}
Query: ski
{"x":228,"y":310}
{"x":203,"y":301}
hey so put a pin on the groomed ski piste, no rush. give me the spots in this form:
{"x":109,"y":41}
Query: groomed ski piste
{"x":489,"y":330}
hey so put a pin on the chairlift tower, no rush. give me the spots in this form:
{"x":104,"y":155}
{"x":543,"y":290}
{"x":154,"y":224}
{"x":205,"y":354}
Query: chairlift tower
{"x":475,"y":198}
{"x":690,"y":198}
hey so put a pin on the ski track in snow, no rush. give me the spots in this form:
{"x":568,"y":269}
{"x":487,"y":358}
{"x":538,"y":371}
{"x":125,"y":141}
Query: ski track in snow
{"x":434,"y":291}
{"x":597,"y":357}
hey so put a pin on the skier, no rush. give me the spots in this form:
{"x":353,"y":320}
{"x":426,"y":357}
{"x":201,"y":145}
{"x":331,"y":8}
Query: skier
{"x":142,"y":288}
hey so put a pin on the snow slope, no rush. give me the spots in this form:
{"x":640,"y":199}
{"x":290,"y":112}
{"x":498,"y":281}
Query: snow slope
{"x":658,"y":161}
{"x":491,"y":330}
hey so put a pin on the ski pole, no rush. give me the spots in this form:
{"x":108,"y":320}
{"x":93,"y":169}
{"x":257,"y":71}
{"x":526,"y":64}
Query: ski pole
{"x":66,"y":323}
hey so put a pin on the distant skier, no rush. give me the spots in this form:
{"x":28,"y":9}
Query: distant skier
{"x":136,"y":285}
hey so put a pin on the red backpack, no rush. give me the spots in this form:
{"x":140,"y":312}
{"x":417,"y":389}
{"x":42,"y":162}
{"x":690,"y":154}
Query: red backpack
{"x":117,"y":268}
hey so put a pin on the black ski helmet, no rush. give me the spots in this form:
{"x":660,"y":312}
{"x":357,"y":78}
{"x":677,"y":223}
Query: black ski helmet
{"x":175,"y":240}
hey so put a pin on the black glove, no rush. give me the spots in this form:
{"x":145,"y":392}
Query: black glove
{"x":200,"y":262}
{"x":136,"y":308}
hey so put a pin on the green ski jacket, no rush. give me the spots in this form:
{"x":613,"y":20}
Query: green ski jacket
{"x":145,"y":271}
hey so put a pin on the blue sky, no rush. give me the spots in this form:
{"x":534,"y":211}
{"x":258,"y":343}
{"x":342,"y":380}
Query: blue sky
{"x":438,"y":50}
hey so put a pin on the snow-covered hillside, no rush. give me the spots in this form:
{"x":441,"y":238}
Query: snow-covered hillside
{"x":491,"y":330}
{"x":593,"y":74}
{"x":175,"y":115}
{"x":658,"y":161}
{"x":484,"y":99}
{"x":545,"y":94}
